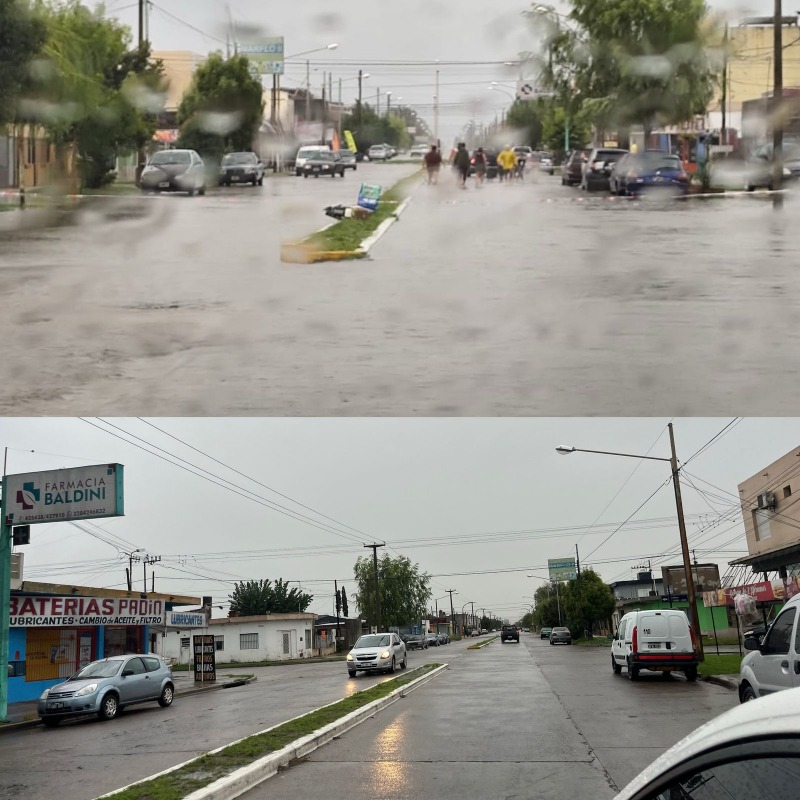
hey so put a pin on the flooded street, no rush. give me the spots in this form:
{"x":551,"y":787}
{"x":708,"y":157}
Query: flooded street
{"x":512,"y":300}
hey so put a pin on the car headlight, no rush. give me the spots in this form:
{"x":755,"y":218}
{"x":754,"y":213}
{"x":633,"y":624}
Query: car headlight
{"x":349,"y":657}
{"x":787,"y":173}
{"x":90,"y":689}
{"x":147,"y":169}
{"x":44,"y":694}
{"x":249,"y":169}
{"x":385,"y":654}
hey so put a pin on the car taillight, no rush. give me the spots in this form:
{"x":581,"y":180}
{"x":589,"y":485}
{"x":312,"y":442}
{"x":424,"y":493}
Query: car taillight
{"x":596,"y":166}
{"x":683,"y":177}
{"x":632,"y":175}
{"x":635,"y":639}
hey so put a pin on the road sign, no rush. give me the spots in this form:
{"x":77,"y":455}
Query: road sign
{"x":266,"y":53}
{"x":562,"y":569}
{"x":530,"y":91}
{"x":720,"y":148}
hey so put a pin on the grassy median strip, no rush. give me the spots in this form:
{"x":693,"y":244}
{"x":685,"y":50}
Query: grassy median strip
{"x":210,"y":767}
{"x":250,"y":664}
{"x":478,"y":645}
{"x":596,"y":641}
{"x":347,"y":234}
{"x":725,"y":664}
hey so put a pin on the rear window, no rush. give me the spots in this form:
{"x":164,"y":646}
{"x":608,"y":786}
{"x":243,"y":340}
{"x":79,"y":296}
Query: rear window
{"x":661,"y":161}
{"x":609,"y":155}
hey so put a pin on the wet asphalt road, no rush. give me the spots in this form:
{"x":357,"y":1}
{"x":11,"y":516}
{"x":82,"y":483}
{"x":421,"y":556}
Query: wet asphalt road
{"x":518,"y":299}
{"x":521,"y":721}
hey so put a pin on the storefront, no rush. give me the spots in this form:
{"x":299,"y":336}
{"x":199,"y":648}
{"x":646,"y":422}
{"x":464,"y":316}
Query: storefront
{"x":55,"y":630}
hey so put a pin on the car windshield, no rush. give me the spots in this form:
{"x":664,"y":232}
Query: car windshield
{"x":373,"y":640}
{"x":324,"y":155}
{"x":98,"y":669}
{"x":170,"y":157}
{"x":239,"y":158}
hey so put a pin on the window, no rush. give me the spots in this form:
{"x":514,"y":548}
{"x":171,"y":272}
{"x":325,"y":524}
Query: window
{"x":787,"y":491}
{"x":780,"y":634}
{"x":185,"y":643}
{"x":152,"y":664}
{"x":622,"y":627}
{"x":219,"y":642}
{"x":308,"y":638}
{"x":761,"y":525}
{"x":248,"y":641}
{"x":135,"y":665}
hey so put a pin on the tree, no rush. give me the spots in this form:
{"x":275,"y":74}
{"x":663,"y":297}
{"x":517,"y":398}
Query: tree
{"x":546,"y":612}
{"x":527,"y":117}
{"x":22,"y":35}
{"x":587,"y":600}
{"x":345,"y":609}
{"x":372,"y":128}
{"x":255,"y":598}
{"x":403,"y":590}
{"x":222,"y":109}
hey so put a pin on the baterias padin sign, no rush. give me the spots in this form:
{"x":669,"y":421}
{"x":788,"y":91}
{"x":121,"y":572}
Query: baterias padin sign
{"x":56,"y":612}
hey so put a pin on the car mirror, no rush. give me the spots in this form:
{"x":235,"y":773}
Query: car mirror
{"x":127,"y":672}
{"x":751,"y":643}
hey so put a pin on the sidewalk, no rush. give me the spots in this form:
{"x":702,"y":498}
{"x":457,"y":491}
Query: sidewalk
{"x":23,"y":715}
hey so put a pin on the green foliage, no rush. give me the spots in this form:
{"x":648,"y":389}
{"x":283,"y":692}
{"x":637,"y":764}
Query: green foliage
{"x":403,"y":590}
{"x":345,"y":609}
{"x":254,"y":598}
{"x":546,"y":611}
{"x":371,"y":128}
{"x":222,"y":109}
{"x":526,"y":116}
{"x":586,"y":600}
{"x":22,"y":36}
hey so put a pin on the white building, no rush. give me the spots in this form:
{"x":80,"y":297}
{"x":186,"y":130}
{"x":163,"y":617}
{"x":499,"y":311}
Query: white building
{"x":272,"y":637}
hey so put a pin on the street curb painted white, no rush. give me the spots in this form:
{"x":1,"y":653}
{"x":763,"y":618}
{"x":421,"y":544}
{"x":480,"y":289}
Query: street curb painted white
{"x":383,"y":227}
{"x":246,"y":778}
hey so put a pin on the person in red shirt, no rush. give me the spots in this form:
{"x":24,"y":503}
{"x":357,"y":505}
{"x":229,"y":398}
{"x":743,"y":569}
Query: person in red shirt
{"x":433,"y":163}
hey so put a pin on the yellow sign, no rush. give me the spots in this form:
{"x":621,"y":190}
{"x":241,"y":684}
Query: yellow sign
{"x":351,"y":142}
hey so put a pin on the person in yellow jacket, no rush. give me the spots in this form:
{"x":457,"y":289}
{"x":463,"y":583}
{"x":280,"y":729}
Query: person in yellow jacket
{"x":507,"y":163}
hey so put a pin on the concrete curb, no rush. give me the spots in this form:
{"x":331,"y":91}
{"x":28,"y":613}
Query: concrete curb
{"x":246,"y":778}
{"x":370,"y":241}
{"x":32,"y":723}
{"x":721,"y":680}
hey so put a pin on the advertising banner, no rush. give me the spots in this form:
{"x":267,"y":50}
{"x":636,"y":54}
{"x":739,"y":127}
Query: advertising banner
{"x":764,"y":591}
{"x":561,"y":569}
{"x":60,"y":495}
{"x":266,"y":53}
{"x":184,"y":619}
{"x":205,"y":663}
{"x":351,"y":142}
{"x":369,"y":196}
{"x":68,"y":612}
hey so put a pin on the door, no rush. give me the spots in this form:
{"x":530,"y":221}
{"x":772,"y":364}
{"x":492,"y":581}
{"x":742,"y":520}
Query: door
{"x":288,"y":644}
{"x":618,"y":649}
{"x":85,"y":649}
{"x":135,"y":687}
{"x":772,"y":669}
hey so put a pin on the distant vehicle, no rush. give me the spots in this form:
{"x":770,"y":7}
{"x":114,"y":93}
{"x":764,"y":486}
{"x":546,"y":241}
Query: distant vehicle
{"x":635,"y":173}
{"x":545,"y":162}
{"x":241,"y":168}
{"x":572,"y":169}
{"x":323,"y":162}
{"x":509,"y":633}
{"x":104,"y":687}
{"x":378,"y":152}
{"x":560,"y":636}
{"x":491,"y":162}
{"x":432,"y":639}
{"x":545,"y":633}
{"x":443,"y":638}
{"x":597,"y":168}
{"x":348,"y":158}
{"x":418,"y":151}
{"x":475,"y":632}
{"x":483,"y":630}
{"x":416,"y":642}
{"x":377,"y":652}
{"x":174,"y":171}
{"x":304,"y":153}
{"x":523,"y":151}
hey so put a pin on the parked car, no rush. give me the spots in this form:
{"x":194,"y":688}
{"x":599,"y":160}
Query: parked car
{"x":418,"y":151}
{"x":304,"y":153}
{"x":432,"y":639}
{"x":597,"y":167}
{"x":509,"y":633}
{"x":324,"y":162}
{"x":572,"y":168}
{"x":174,"y":171}
{"x":475,"y":632}
{"x":348,"y":158}
{"x":635,"y":173}
{"x":443,"y":638}
{"x":377,"y":652}
{"x":378,"y":152}
{"x":544,"y":161}
{"x":104,"y":687}
{"x":772,"y":663}
{"x":545,"y":633}
{"x":416,"y":642}
{"x":560,"y":636}
{"x":241,"y":168}
{"x":660,"y":641}
{"x":752,"y":750}
{"x":759,"y":168}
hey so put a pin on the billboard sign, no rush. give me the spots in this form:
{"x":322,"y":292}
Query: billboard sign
{"x":562,"y":569}
{"x":706,"y":578}
{"x":49,"y":611}
{"x":205,"y":655}
{"x":369,"y":195}
{"x":61,"y":495}
{"x":186,"y":619}
{"x":266,"y":53}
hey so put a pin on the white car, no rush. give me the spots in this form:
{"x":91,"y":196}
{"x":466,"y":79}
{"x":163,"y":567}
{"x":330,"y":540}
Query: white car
{"x":774,"y":663}
{"x":304,"y":153}
{"x":418,"y":152}
{"x":377,"y":652}
{"x":660,"y":641}
{"x":750,"y":752}
{"x":379,"y":152}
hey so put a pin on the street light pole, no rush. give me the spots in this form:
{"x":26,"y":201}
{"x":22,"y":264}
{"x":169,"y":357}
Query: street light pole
{"x":776,"y":115}
{"x":360,"y":81}
{"x":308,"y":90}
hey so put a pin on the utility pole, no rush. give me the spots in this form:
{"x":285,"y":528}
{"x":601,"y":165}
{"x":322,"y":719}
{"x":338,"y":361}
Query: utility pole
{"x":141,"y":154}
{"x":436,"y":113}
{"x":338,"y":605}
{"x":322,"y":138}
{"x":452,"y":615}
{"x":687,"y":565}
{"x":339,"y":102}
{"x":777,"y":111}
{"x":724,"y":138}
{"x":360,"y":115}
{"x":131,"y":558}
{"x":472,"y":615}
{"x":308,"y":90}
{"x":577,"y":561}
{"x":374,"y":548}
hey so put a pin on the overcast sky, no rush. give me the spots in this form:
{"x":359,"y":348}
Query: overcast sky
{"x":418,"y":30}
{"x":487,"y":500}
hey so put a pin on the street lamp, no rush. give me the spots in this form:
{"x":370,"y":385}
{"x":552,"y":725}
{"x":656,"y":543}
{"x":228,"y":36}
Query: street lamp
{"x":565,"y":450}
{"x":332,"y":46}
{"x":494,"y":87}
{"x":462,"y":615}
{"x":558,"y":596}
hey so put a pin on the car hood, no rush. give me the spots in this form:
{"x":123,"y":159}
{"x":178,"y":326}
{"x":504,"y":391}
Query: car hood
{"x":74,"y":686}
{"x":363,"y":651}
{"x":171,"y":170}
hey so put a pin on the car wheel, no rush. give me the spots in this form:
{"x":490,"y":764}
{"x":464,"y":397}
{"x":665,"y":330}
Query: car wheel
{"x":305,"y":175}
{"x":615,"y":667}
{"x":108,"y":707}
{"x":202,"y":191}
{"x":633,"y":672}
{"x":747,"y":694}
{"x":552,"y":643}
{"x":404,"y":662}
{"x":167,"y":696}
{"x":190,"y":192}
{"x":297,"y":173}
{"x":691,"y":674}
{"x":51,"y":722}
{"x":351,"y":673}
{"x":392,"y":668}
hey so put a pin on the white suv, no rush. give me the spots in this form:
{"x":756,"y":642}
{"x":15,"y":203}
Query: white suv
{"x":774,"y":663}
{"x":377,"y":652}
{"x":654,"y":640}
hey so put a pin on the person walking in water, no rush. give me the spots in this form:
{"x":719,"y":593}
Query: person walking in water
{"x":479,"y":160}
{"x":461,"y":163}
{"x":433,"y":163}
{"x":507,"y":163}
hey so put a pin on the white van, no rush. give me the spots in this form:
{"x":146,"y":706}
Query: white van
{"x":660,"y":641}
{"x":304,"y":153}
{"x":773,"y":663}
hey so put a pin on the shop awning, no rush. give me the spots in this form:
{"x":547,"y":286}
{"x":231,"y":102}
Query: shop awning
{"x":772,"y":560}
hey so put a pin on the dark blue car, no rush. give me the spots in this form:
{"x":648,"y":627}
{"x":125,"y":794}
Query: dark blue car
{"x":652,"y":169}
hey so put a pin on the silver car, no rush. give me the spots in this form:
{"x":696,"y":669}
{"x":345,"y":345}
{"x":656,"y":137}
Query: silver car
{"x":106,"y":686}
{"x":174,"y":171}
{"x":377,"y":652}
{"x":560,"y":635}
